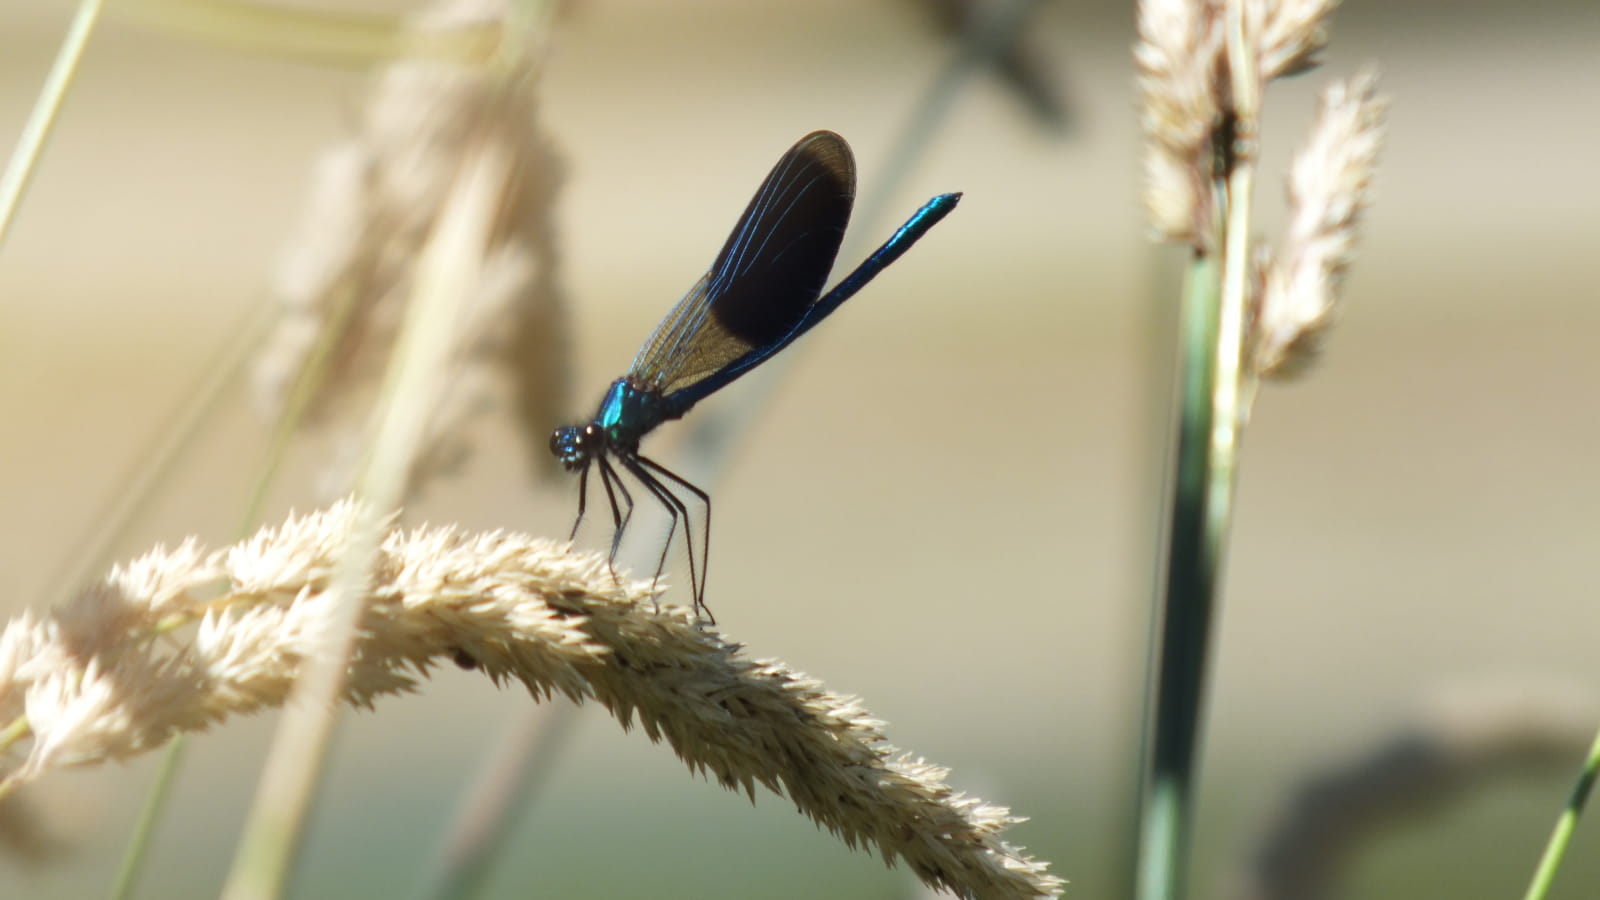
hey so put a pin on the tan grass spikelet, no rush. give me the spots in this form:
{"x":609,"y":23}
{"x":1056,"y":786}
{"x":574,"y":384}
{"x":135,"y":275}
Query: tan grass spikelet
{"x":1329,"y":187}
{"x":181,"y":639}
{"x":1179,"y":54}
{"x":1185,"y":94}
{"x":1291,"y":34}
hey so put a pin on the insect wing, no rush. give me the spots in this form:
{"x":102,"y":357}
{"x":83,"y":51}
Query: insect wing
{"x":772,"y":268}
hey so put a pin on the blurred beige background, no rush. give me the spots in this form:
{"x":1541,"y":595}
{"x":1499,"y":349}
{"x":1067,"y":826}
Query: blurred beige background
{"x":947,"y":505}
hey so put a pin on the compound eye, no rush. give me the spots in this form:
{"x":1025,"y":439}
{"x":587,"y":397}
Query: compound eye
{"x":573,"y":446}
{"x":566,"y":444}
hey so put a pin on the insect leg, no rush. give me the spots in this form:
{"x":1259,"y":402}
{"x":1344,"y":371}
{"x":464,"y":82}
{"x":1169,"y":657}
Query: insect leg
{"x":674,"y":508}
{"x":583,"y":499}
{"x":688,"y":532}
{"x":619,"y":519}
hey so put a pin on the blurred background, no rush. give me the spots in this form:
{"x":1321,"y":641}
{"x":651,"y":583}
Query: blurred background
{"x":948,"y":503}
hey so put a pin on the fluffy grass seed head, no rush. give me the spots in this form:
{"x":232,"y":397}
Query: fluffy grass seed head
{"x":375,"y":197}
{"x":1179,"y":53}
{"x":1329,"y":188}
{"x":1186,"y":95}
{"x":181,"y":639}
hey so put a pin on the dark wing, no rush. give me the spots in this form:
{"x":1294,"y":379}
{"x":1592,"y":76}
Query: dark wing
{"x":770,"y":271}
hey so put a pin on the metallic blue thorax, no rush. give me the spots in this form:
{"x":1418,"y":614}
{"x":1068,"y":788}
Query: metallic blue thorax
{"x":629,"y":412}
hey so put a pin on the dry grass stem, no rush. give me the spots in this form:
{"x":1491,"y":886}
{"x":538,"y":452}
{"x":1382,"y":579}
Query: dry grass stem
{"x":183,"y":638}
{"x":375,"y":198}
{"x":1329,"y":188}
{"x":1463,"y":742}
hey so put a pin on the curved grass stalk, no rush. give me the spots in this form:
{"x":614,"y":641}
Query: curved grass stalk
{"x":98,"y":685}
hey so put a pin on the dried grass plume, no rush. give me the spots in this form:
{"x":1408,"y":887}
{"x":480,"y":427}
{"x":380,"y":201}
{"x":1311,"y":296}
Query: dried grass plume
{"x":1179,"y":55}
{"x":1186,"y":97}
{"x":1330,"y":187}
{"x":375,"y":197}
{"x":180,"y":639}
{"x":1196,"y":138}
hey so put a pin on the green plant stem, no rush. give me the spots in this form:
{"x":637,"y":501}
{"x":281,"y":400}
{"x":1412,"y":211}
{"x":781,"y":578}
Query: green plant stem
{"x":41,"y":120}
{"x":1214,"y":395}
{"x":13,"y":187}
{"x":14,"y":731}
{"x":1561,"y":836}
{"x":1183,"y":626}
{"x":155,"y":805}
